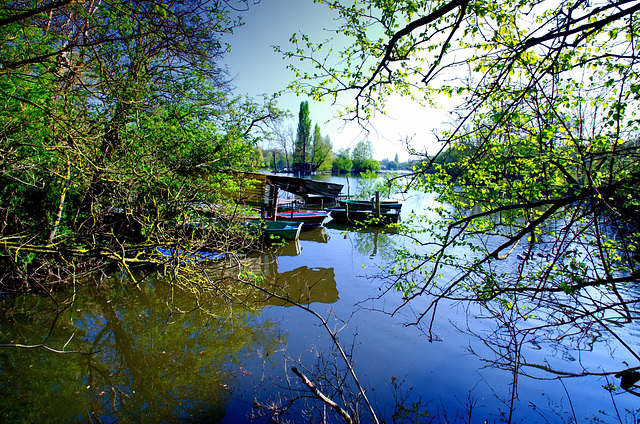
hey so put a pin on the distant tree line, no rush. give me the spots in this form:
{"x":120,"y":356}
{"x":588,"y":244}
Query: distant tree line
{"x":304,"y":152}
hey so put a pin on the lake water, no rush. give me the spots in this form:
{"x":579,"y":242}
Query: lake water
{"x":150,"y":354}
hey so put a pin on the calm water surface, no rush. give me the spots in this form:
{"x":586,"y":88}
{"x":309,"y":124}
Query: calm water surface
{"x":150,"y":355}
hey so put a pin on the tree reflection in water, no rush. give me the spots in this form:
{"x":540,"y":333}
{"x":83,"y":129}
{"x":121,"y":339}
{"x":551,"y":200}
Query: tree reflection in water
{"x":578,"y":358}
{"x":371,"y":241}
{"x":142,"y":360}
{"x":302,"y":285}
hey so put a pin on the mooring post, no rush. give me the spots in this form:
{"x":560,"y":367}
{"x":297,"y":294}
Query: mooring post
{"x":378,"y":204}
{"x":275,"y":202}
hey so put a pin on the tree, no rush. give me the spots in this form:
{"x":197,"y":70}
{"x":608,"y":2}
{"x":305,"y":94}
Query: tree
{"x":391,"y":165}
{"x":115,"y":118}
{"x":544,"y":145}
{"x":342,"y":162}
{"x":286,"y":141}
{"x":275,"y":160}
{"x":362,"y":157}
{"x":327,"y":163}
{"x":322,"y":150}
{"x":303,"y":138}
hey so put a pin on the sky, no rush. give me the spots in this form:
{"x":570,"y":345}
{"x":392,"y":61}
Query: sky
{"x":257,"y":69}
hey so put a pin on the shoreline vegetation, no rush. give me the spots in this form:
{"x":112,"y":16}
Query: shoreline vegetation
{"x":100,"y":164}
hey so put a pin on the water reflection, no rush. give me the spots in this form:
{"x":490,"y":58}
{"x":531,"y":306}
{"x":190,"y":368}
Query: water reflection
{"x":291,"y":248}
{"x":317,"y":235}
{"x":372,"y":241}
{"x":142,"y":360}
{"x":302,"y":285}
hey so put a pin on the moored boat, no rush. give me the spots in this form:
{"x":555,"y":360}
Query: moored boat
{"x":285,"y":230}
{"x":366,"y":217}
{"x":309,"y":219}
{"x":369,"y":205}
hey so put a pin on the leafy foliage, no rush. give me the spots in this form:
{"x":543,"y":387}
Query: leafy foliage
{"x":303,"y":137}
{"x":538,"y":174}
{"x":362,"y":157}
{"x":116,"y":122}
{"x":322,"y":150}
{"x":342,"y":162}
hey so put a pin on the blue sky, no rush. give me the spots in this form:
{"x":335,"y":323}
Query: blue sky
{"x":258,"y":69}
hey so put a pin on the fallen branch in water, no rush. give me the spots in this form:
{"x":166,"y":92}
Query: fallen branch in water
{"x":334,"y":338}
{"x":344,"y":414}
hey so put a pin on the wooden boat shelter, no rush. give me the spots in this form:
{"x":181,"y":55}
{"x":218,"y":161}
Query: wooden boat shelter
{"x":263,"y":190}
{"x":304,"y":187}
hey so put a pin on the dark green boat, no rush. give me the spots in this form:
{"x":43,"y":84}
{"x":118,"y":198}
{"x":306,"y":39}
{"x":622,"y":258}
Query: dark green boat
{"x":368,"y":217}
{"x":370,"y":204}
